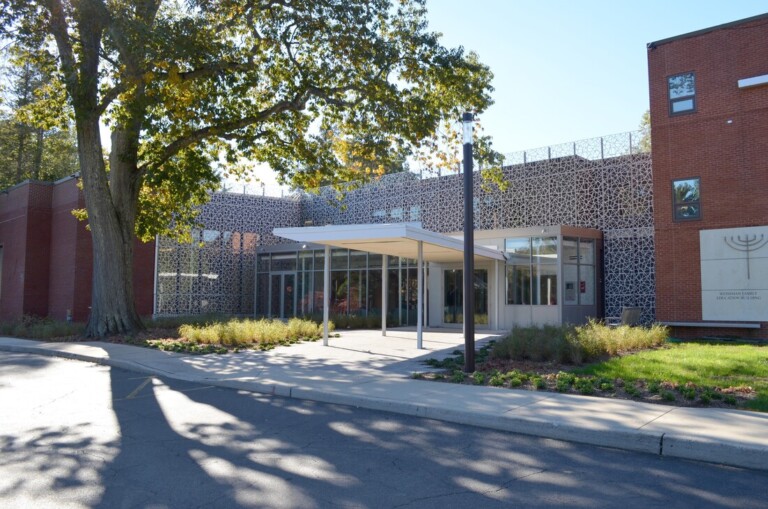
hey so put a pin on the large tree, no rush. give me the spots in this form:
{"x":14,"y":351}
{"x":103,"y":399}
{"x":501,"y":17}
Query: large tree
{"x":184,"y":84}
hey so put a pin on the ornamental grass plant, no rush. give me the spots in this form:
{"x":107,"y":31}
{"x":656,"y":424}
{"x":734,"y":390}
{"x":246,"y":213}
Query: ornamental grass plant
{"x":570,"y":344}
{"x":261,"y":333}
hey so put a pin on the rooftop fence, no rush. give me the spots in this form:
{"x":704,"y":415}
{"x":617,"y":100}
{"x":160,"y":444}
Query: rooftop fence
{"x":593,"y":149}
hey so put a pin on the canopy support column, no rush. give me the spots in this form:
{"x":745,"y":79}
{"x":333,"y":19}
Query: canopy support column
{"x":326,"y":293}
{"x":419,"y":296}
{"x":425,"y":307}
{"x":384,"y":292}
{"x":497,"y":300}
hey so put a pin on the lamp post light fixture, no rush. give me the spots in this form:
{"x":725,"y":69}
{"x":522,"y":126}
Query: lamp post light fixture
{"x":469,"y":247}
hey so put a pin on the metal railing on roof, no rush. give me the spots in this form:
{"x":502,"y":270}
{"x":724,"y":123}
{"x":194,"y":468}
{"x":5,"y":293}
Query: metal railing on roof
{"x":593,"y":149}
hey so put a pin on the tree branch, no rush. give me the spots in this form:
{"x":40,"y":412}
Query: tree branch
{"x":223,"y":130}
{"x":296,"y":104}
{"x":58,"y":27}
{"x":110,"y":96}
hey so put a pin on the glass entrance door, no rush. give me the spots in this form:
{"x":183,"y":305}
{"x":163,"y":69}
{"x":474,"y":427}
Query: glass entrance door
{"x":453,"y":296}
{"x":282,"y":295}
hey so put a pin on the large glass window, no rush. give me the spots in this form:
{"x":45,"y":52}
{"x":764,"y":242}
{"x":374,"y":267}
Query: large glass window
{"x":682,"y":93}
{"x":531,"y":270}
{"x":283,"y":261}
{"x":544,"y":285}
{"x":453,"y":296}
{"x":292,"y":284}
{"x":686,"y":200}
{"x":578,"y":271}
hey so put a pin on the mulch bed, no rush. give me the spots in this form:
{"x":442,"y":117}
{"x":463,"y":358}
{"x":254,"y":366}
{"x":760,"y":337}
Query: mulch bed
{"x":525,"y":374}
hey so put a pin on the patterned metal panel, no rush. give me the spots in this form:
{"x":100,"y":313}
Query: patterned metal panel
{"x":216,"y":272}
{"x":573,"y":184}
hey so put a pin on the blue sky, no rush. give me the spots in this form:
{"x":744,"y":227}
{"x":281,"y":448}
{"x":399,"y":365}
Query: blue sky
{"x":567,"y":70}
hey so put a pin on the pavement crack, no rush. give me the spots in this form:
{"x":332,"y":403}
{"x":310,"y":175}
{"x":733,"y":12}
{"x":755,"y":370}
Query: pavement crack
{"x":432,"y":497}
{"x":526,"y":476}
{"x":672,"y":409}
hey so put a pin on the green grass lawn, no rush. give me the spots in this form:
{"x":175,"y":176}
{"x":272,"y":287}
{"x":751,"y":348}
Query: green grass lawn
{"x":714,"y":365}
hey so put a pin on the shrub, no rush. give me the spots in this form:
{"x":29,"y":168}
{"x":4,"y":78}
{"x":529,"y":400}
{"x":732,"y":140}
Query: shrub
{"x":497,"y":380}
{"x":262,"y":333}
{"x":563,"y":381}
{"x":584,"y":385}
{"x":478,"y":377}
{"x":371,"y":321}
{"x":35,"y":327}
{"x":176,"y":321}
{"x":575,"y":345}
{"x":531,"y":343}
{"x":458,"y":377}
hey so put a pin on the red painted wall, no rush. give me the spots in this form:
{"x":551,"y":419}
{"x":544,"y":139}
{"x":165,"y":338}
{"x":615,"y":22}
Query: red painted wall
{"x":13,"y":239}
{"x":66,"y":252}
{"x":723,"y":143}
{"x":48,"y":258}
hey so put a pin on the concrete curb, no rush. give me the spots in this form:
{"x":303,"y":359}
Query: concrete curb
{"x":726,"y":453}
{"x":659,"y":443}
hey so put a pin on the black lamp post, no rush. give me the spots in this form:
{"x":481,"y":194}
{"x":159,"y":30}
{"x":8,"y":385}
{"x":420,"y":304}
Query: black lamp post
{"x":469,"y":248}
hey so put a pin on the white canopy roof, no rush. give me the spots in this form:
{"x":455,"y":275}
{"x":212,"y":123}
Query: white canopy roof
{"x":395,"y":239}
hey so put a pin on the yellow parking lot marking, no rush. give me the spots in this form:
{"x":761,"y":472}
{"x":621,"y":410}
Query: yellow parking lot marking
{"x":138,"y":389}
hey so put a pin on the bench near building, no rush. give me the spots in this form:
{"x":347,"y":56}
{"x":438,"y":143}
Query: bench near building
{"x":585,"y":229}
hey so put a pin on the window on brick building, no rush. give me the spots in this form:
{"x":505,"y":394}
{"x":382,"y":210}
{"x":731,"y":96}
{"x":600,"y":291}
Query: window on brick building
{"x":685,"y":194}
{"x":682,"y":93}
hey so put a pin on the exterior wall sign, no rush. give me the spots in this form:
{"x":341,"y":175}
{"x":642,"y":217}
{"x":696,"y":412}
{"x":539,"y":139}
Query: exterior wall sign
{"x":734,"y":274}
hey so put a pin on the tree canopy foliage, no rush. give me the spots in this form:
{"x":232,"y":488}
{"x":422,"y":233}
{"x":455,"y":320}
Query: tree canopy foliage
{"x":645,"y":130}
{"x":36,"y":137}
{"x":322,"y":91}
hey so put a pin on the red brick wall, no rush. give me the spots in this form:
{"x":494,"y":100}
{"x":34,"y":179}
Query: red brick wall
{"x":65,"y":254}
{"x":724,"y":143}
{"x":37,"y":261}
{"x":72,"y":253}
{"x":13,"y":238}
{"x":48,"y":258}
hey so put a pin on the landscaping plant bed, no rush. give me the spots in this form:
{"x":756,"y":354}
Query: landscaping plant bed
{"x":200,"y":334}
{"x":690,"y":375}
{"x":549,"y":377}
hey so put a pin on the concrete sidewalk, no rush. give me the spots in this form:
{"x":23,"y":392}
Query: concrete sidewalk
{"x":364,"y":369}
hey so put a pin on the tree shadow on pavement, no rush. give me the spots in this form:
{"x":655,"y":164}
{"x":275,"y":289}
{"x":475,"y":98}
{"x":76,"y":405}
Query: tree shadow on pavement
{"x":184,"y":445}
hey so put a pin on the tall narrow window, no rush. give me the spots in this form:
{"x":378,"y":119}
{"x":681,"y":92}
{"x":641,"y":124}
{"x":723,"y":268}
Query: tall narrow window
{"x":682,"y":93}
{"x":531,"y":270}
{"x":686,"y":201}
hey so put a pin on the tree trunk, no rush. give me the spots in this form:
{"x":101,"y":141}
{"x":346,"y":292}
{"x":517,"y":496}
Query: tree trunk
{"x":113,"y":310}
{"x":22,"y":131}
{"x":111,"y":205}
{"x":37,"y":162}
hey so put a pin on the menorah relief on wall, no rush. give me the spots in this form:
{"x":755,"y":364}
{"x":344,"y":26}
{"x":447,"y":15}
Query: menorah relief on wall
{"x":746,"y":244}
{"x":734,"y":273}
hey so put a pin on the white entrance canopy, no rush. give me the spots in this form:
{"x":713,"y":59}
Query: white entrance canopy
{"x":407,"y":240}
{"x":394,"y":239}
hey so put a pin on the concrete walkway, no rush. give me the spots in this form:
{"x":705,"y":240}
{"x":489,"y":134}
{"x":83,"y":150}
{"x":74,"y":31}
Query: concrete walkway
{"x":364,"y":369}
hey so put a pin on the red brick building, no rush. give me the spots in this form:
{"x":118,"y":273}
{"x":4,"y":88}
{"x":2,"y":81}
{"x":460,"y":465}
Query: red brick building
{"x":709,"y":117}
{"x":46,"y":254}
{"x":707,"y":232}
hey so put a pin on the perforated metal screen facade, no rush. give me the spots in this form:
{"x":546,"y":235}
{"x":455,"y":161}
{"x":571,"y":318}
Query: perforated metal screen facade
{"x":609,"y":194}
